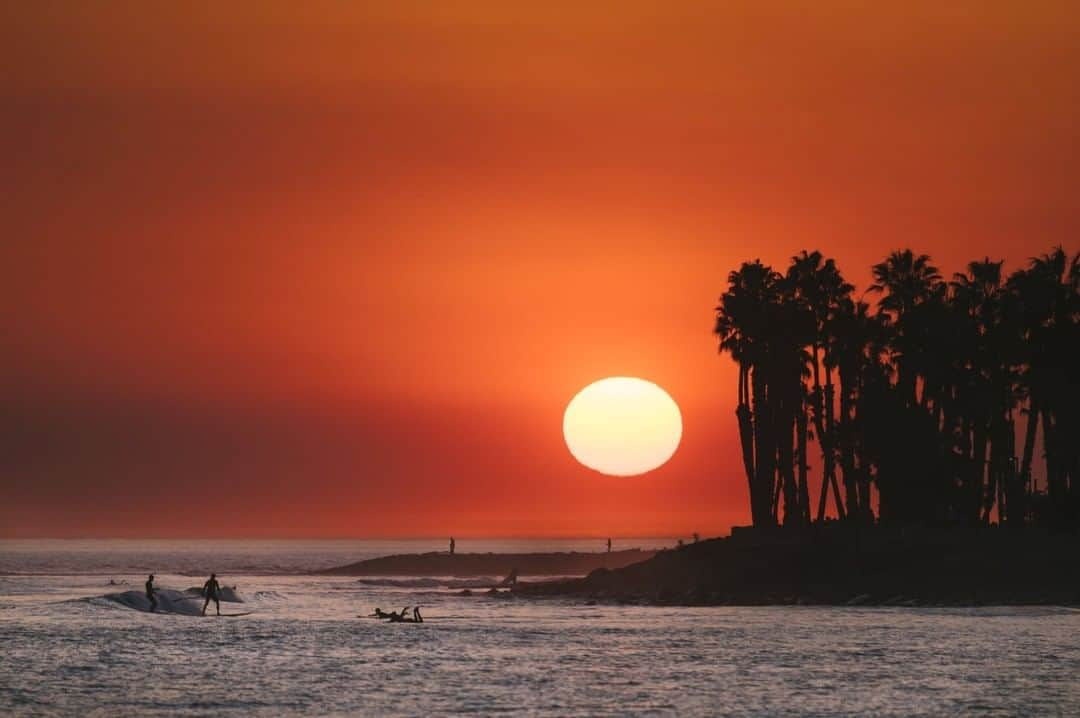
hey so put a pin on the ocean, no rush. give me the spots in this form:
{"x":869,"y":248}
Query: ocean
{"x":74,"y":640}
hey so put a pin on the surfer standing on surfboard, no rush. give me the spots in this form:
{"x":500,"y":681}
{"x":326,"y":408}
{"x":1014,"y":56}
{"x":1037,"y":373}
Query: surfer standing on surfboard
{"x":210,"y":590}
{"x":150,"y":593}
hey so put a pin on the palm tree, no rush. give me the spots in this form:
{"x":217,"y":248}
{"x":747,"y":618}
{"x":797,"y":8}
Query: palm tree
{"x":793,"y":330}
{"x":742,"y":326}
{"x":930,"y":386}
{"x":818,"y":285}
{"x":980,"y":295}
{"x":856,"y":340}
{"x":1049,"y":315}
{"x":907,"y":281}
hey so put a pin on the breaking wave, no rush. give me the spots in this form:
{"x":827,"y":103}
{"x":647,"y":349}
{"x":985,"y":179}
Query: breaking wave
{"x":225,"y":593}
{"x":187,"y":603}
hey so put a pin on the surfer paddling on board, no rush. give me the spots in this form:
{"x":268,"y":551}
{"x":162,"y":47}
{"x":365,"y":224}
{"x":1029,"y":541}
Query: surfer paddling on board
{"x":416,"y":617}
{"x":402,"y":617}
{"x":150,"y":593}
{"x":210,"y":590}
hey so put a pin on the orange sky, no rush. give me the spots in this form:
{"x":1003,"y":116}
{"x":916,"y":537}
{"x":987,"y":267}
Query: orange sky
{"x":332,"y":270}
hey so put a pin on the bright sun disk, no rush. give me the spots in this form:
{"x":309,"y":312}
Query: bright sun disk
{"x":622,"y":426}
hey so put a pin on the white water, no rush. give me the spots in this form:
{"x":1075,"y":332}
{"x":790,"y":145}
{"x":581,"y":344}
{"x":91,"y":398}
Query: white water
{"x":70,"y":644}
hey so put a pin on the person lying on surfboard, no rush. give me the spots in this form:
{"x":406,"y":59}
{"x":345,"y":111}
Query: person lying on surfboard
{"x":379,"y":613}
{"x":403,"y":618}
{"x":210,"y":590}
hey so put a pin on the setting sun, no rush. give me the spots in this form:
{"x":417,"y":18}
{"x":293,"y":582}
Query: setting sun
{"x":622,"y":426}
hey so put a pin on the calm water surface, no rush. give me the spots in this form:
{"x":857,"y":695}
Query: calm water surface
{"x":71,"y":644}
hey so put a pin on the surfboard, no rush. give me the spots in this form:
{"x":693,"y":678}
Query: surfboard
{"x":230,"y":615}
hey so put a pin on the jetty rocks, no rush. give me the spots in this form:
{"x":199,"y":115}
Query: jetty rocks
{"x":490,"y":564}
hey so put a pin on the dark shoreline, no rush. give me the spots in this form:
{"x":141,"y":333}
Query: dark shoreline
{"x":471,"y":565}
{"x":840,"y":565}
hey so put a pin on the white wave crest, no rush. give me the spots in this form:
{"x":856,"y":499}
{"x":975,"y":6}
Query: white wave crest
{"x":187,"y":603}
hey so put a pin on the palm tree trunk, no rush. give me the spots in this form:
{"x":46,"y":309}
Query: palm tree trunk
{"x":1055,"y":488}
{"x":745,"y":418}
{"x":786,"y":453}
{"x":823,"y":417}
{"x":1013,"y":485}
{"x":819,"y":426}
{"x":801,"y":421}
{"x":1029,"y":445}
{"x":847,"y":448}
{"x":764,"y":453}
{"x":867,"y":510}
{"x":978,"y":472}
{"x":994,"y":476}
{"x":828,"y":444}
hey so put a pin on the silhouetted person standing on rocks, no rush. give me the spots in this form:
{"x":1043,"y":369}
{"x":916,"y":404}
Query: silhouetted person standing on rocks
{"x":210,"y":590}
{"x":150,"y":593}
{"x":453,"y":545}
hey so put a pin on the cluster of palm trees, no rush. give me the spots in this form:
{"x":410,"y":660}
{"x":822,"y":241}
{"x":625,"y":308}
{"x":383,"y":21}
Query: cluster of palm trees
{"x":916,"y":404}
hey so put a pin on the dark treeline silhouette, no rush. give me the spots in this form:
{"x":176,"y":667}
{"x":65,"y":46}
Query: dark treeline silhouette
{"x":917,"y":399}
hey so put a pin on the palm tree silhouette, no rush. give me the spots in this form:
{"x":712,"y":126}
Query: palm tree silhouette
{"x":819,"y":286}
{"x":742,"y":326}
{"x":979,"y":296}
{"x":1048,"y":293}
{"x":929,"y":387}
{"x":908,"y":281}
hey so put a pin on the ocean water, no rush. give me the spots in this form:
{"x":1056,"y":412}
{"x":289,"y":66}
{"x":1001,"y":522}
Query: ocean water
{"x":72,"y":644}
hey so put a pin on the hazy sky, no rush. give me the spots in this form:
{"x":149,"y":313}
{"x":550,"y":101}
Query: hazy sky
{"x":334,"y":268}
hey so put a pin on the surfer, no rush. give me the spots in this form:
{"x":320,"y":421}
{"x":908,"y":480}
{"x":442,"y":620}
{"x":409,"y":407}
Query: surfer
{"x":453,"y":545}
{"x":609,"y":545}
{"x":400,"y":617}
{"x":150,"y":593}
{"x":210,"y":590}
{"x":404,"y":618}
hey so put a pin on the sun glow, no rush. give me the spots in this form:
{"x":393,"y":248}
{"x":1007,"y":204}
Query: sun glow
{"x":622,"y":426}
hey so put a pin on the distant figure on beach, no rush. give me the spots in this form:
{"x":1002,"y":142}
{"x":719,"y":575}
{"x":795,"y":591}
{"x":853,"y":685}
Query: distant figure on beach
{"x":150,"y":593}
{"x":453,"y":545}
{"x":210,"y":590}
{"x":609,"y":545}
